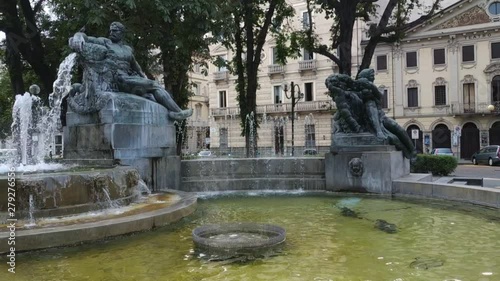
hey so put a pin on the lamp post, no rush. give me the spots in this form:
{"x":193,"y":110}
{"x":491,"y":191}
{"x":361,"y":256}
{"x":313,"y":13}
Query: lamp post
{"x":295,"y":99}
{"x":491,"y":107}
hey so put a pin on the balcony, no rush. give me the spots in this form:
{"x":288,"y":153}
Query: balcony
{"x":309,"y":106}
{"x":307,"y":65}
{"x":276,"y":69}
{"x":221,"y":75}
{"x":474,"y":108}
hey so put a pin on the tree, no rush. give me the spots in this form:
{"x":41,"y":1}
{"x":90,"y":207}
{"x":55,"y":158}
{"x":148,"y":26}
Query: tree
{"x":389,"y":27}
{"x":20,"y":21}
{"x":243,"y":27}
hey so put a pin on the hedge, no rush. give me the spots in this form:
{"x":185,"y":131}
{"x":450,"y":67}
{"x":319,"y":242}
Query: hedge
{"x":438,"y":165}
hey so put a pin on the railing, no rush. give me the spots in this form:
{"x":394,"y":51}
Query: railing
{"x":474,"y":108}
{"x":197,"y":123}
{"x":278,"y":108}
{"x":221,"y":75}
{"x":307,"y":65}
{"x":276,"y":69}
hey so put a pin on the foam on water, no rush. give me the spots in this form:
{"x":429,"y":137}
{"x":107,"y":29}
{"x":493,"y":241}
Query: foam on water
{"x":40,"y":167}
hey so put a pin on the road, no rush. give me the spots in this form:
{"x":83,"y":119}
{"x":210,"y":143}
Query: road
{"x":479,"y":171}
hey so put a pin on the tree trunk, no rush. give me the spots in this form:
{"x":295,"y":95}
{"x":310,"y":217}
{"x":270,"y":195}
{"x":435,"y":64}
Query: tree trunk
{"x":347,"y":18}
{"x":15,"y":68}
{"x":27,"y":43}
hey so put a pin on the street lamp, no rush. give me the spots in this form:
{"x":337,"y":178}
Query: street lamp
{"x":491,"y":108}
{"x":295,"y":99}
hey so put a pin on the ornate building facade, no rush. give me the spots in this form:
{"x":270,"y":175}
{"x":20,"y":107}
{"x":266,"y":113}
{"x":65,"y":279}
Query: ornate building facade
{"x":443,"y":79}
{"x":312,"y":114}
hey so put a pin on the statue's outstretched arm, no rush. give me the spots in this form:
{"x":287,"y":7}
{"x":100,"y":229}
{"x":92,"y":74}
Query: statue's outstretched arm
{"x":76,"y":42}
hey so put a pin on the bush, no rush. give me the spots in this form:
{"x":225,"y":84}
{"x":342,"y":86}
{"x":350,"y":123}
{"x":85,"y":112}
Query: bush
{"x":438,"y":165}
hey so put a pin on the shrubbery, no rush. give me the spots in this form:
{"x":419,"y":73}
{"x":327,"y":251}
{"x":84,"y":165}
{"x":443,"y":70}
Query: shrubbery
{"x":438,"y":165}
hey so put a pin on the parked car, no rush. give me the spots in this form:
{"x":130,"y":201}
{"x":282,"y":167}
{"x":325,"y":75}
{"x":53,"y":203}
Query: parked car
{"x":488,"y":155}
{"x":442,"y":151}
{"x":310,"y":151}
{"x":206,"y":154}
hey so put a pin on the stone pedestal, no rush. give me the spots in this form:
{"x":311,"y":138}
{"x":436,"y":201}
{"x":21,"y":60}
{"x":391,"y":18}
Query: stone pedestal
{"x":129,"y":130}
{"x":359,"y":163}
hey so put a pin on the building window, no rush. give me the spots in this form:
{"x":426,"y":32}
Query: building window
{"x":197,"y":109}
{"x":308,"y":55}
{"x":440,"y":95}
{"x":439,"y":56}
{"x":58,"y":145}
{"x":274,"y":57}
{"x":278,"y":95}
{"x":468,"y":54}
{"x":411,"y":59}
{"x":222,"y":99}
{"x":495,"y":89}
{"x":384,"y":101}
{"x":494,"y":8}
{"x":305,"y":20}
{"x":495,"y":50}
{"x":469,"y":97}
{"x":222,"y":59}
{"x":412,"y":97}
{"x":310,"y":136}
{"x":223,"y":143}
{"x":308,"y":91}
{"x":196,"y":89}
{"x":382,"y":62}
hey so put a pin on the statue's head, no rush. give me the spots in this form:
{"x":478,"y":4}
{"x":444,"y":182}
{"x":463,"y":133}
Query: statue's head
{"x":367,"y":73}
{"x":116,"y":31}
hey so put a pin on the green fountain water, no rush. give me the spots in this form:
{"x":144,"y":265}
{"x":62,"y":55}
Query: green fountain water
{"x":435,"y":241}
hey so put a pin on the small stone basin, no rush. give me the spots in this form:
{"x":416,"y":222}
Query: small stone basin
{"x":238,"y":240}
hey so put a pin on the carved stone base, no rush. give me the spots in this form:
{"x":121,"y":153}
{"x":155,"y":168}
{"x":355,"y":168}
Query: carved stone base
{"x":365,"y":168}
{"x":128,"y":130}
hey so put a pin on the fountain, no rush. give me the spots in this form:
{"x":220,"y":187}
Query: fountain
{"x":126,"y":167}
{"x":119,"y":147}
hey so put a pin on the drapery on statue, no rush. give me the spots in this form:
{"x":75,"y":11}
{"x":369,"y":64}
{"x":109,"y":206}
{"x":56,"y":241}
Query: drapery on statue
{"x":110,"y":66}
{"x":359,"y":110}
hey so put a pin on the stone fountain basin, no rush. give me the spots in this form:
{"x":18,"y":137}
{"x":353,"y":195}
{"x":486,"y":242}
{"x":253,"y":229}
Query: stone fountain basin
{"x":61,"y":193}
{"x":228,"y":240}
{"x":65,"y":235}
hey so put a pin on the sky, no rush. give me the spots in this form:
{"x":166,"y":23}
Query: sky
{"x":382,"y":3}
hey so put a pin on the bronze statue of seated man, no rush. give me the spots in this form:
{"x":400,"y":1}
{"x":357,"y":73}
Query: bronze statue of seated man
{"x":114,"y":64}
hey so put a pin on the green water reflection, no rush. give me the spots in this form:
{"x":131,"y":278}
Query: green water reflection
{"x":321,"y":244}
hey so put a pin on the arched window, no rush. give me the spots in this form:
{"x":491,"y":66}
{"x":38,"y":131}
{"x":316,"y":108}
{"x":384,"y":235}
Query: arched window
{"x":495,"y":89}
{"x":494,"y":8}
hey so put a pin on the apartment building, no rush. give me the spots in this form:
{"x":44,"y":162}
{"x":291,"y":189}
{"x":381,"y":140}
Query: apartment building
{"x":441,"y":82}
{"x":312,"y":113}
{"x":443,"y":79}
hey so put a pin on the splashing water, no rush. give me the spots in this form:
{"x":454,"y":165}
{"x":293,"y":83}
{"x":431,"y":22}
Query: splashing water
{"x":34,"y":127}
{"x":31,"y":211}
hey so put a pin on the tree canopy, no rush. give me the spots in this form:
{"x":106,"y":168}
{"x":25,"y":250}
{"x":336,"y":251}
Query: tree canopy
{"x":388,"y":26}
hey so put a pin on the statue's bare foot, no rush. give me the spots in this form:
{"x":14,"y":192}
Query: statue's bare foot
{"x":181,"y":115}
{"x":381,"y":136}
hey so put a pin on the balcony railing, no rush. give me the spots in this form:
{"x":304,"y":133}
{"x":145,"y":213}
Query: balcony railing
{"x":278,"y":108}
{"x":474,"y":108}
{"x":276,"y":69}
{"x":221,"y":75}
{"x":307,"y":65}
{"x":197,"y":123}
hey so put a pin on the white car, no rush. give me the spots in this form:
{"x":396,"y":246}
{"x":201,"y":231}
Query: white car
{"x":206,"y":153}
{"x":442,"y":151}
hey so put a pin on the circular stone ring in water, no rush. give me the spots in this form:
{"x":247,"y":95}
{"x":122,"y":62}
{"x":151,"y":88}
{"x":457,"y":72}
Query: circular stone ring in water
{"x":224,"y":241}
